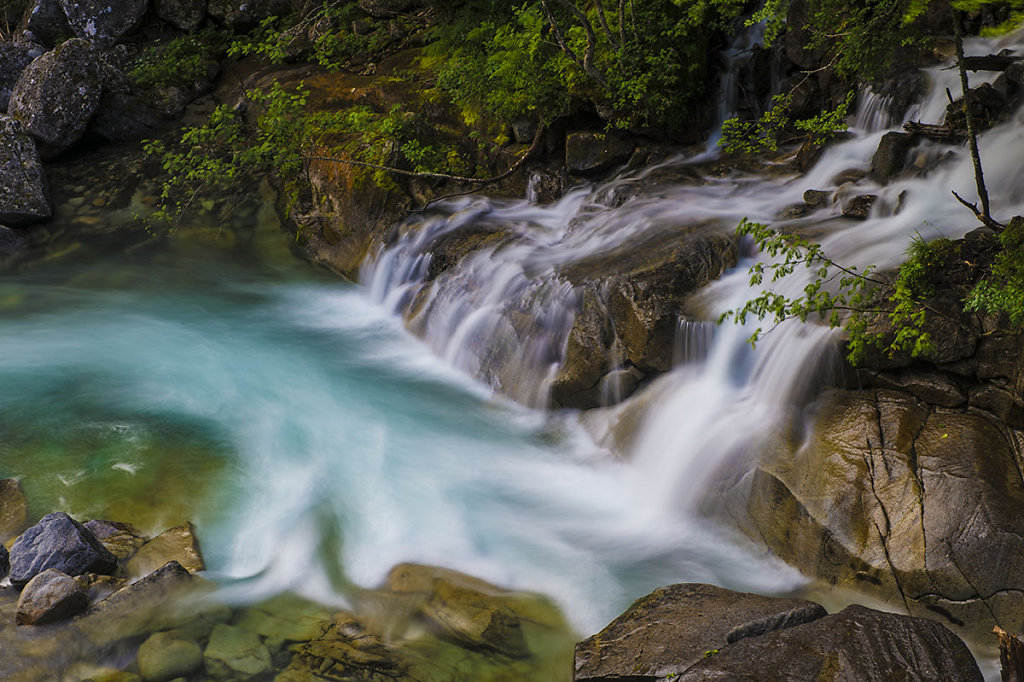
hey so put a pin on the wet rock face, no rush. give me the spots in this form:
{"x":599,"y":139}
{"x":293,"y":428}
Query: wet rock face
{"x":919,"y":504}
{"x":49,"y":597}
{"x":57,"y":95}
{"x":121,"y":539}
{"x":632,"y":303}
{"x":14,"y":57}
{"x":45,"y":23}
{"x":674,"y":627}
{"x":24,"y":193}
{"x":103,"y":21}
{"x":857,"y":644}
{"x":58,"y":542}
{"x":891,"y":156}
{"x":166,"y":656}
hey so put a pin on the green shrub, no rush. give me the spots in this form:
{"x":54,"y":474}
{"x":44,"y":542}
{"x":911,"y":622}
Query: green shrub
{"x":179,"y":62}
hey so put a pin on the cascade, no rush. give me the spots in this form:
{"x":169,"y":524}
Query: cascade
{"x":724,"y":400}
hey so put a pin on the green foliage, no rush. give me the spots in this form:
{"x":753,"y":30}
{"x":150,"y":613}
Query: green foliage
{"x":915,"y":282}
{"x":506,"y":69}
{"x":179,"y":62}
{"x":275,"y":136}
{"x":1002,"y":291}
{"x":647,"y":66}
{"x":834,"y":294}
{"x":764,"y":134}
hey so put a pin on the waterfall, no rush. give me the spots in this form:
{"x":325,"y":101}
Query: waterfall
{"x":725,"y":397}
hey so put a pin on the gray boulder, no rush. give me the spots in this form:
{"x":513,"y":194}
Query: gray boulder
{"x":60,"y":542}
{"x":44,"y":22}
{"x":102,"y":21}
{"x":240,"y":15}
{"x":57,"y":95}
{"x":24,"y":193}
{"x":14,"y":57}
{"x":184,"y":14}
{"x":49,"y":597}
{"x":856,"y":645}
{"x":675,"y":627}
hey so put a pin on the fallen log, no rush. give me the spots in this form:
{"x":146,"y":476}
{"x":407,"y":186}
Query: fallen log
{"x":941,"y":133}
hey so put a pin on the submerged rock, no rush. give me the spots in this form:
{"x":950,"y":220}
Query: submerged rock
{"x":102,"y":21}
{"x":166,"y":655}
{"x":10,"y":243}
{"x":49,"y":597}
{"x":24,"y":193}
{"x":675,"y":627}
{"x":234,"y":653}
{"x":857,"y":644}
{"x":57,"y":95}
{"x":58,"y":542}
{"x":13,"y":505}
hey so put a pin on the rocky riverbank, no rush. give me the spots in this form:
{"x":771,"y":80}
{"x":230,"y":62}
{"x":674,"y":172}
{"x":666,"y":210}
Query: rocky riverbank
{"x":908,"y":485}
{"x":100,"y":601}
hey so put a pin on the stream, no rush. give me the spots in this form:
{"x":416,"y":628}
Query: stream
{"x":316,"y":443}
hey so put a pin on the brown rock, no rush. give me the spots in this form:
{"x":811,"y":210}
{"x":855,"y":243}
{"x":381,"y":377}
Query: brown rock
{"x":175,"y":544}
{"x":49,"y":597}
{"x":675,"y":627}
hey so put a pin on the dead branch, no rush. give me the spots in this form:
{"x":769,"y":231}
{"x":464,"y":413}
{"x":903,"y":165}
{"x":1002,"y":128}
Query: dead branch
{"x":986,"y":220}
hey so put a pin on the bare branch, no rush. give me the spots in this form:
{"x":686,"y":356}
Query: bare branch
{"x":987,"y":220}
{"x":604,"y":23}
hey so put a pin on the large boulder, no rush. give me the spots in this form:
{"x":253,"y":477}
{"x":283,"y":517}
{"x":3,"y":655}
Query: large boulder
{"x":44,"y":22}
{"x":49,"y":597}
{"x":60,"y":542}
{"x":919,"y":504}
{"x":240,"y":15}
{"x":24,"y":192}
{"x":184,"y":14}
{"x":640,"y":288}
{"x":670,"y":630}
{"x":857,"y":644}
{"x":102,"y":21}
{"x":166,"y":656}
{"x":57,"y":95}
{"x":14,"y":57}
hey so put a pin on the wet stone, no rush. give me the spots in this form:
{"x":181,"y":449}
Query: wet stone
{"x":49,"y":597}
{"x":175,"y":544}
{"x":166,"y":656}
{"x":121,"y":539}
{"x":24,"y":194}
{"x":58,"y":542}
{"x":14,"y":57}
{"x":235,"y":653}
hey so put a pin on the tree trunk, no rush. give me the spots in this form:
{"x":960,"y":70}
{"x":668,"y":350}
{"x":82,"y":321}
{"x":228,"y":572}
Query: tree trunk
{"x":984,"y":213}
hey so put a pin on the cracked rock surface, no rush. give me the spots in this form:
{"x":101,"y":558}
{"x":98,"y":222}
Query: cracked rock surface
{"x":920,"y":504}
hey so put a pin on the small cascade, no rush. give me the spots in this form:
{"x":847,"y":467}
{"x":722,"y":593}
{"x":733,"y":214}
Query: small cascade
{"x":694,"y":339}
{"x":874,"y":113}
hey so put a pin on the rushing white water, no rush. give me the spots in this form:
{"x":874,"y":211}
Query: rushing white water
{"x":316,"y":442}
{"x":725,"y":399}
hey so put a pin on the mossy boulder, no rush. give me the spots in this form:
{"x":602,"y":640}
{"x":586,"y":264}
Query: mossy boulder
{"x":57,"y":94}
{"x":24,"y":191}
